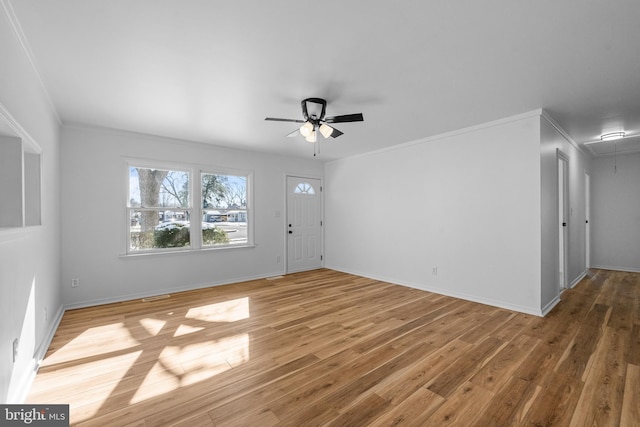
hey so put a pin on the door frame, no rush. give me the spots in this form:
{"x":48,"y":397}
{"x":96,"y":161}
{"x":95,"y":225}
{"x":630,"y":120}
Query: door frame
{"x":562,"y":231}
{"x":285,"y":231}
{"x":587,"y":220}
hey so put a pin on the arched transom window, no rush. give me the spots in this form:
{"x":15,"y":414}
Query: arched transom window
{"x":304,"y":188}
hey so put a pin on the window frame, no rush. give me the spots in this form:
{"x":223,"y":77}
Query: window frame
{"x":248,"y":184}
{"x":195,"y":172}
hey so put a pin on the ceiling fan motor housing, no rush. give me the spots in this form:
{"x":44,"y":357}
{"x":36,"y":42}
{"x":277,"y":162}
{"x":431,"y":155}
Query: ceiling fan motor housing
{"x":315,"y":119}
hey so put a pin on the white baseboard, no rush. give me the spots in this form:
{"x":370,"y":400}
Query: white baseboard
{"x":139,"y":295}
{"x":22,"y":389}
{"x":447,"y":292}
{"x":547,"y":308}
{"x":625,"y":269}
{"x":578,"y":279}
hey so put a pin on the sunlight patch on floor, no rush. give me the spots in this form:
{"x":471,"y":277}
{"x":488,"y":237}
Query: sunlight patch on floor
{"x":227,"y":311}
{"x":186,"y":329}
{"x":153,"y":326}
{"x":96,"y":389}
{"x":117,"y":337}
{"x":199,"y":362}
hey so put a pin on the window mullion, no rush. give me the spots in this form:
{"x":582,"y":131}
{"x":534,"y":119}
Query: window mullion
{"x":195,"y":196}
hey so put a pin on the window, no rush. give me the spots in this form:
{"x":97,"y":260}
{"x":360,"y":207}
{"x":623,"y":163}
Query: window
{"x":159,"y":209}
{"x":162,"y":206}
{"x":19,"y":182}
{"x":224,"y":209}
{"x":304,"y":188}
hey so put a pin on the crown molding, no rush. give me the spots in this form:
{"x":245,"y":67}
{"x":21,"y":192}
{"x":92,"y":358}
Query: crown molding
{"x":494,"y":123}
{"x":22,"y":39}
{"x":564,"y":134}
{"x":14,"y":127}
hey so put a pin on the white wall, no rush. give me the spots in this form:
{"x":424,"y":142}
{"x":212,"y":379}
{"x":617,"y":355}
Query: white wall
{"x":94,"y":218}
{"x":615,"y":212}
{"x":29,"y":257}
{"x":552,"y":140}
{"x":467,"y":203}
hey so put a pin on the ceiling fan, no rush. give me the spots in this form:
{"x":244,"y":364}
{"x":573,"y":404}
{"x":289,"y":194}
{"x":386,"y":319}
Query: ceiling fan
{"x":317,"y":122}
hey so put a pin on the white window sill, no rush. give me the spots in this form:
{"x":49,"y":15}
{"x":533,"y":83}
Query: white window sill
{"x":134,"y":255}
{"x":15,"y":233}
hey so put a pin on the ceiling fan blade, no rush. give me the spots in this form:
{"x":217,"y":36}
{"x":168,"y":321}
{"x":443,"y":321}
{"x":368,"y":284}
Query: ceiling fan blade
{"x":294,"y":133}
{"x":345,"y":118}
{"x":336,"y":133}
{"x":273,"y":119}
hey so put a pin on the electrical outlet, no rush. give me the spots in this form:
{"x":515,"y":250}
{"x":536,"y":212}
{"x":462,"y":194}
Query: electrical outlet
{"x":15,"y":350}
{"x":46,"y":315}
{"x":75,"y":283}
{"x":278,"y":259}
{"x":434,"y":271}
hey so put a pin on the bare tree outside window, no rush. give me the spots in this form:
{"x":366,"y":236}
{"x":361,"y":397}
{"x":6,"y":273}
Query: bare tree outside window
{"x":159,"y":196}
{"x":160,"y":209}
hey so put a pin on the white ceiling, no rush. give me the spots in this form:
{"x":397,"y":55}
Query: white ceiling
{"x":211,"y":71}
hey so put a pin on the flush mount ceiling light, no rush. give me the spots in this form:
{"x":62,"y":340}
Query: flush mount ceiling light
{"x":317,"y":123}
{"x":612,"y":136}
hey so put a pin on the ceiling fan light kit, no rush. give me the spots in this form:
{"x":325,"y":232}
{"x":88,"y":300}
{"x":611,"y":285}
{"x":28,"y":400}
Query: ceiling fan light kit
{"x":312,"y":137}
{"x":306,"y":129}
{"x":314,"y":123}
{"x":326,"y":130}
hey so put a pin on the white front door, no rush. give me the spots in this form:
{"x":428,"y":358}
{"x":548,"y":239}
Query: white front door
{"x":304,"y":224}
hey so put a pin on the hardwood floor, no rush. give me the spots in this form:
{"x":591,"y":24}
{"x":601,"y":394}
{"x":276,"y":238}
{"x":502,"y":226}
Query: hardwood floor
{"x":328,"y":348}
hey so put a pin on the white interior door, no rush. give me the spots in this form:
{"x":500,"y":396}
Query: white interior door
{"x":563,"y":224}
{"x":304,"y":224}
{"x":587,"y":210}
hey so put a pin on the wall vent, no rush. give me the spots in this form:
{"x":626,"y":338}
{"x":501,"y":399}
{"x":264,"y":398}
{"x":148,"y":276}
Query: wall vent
{"x":156,"y":298}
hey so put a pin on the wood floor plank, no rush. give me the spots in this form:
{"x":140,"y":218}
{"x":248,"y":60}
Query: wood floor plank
{"x":497,"y":319}
{"x":262,"y":418}
{"x":199,"y":420}
{"x":576,"y":357}
{"x":236,"y":398}
{"x":362,"y":413}
{"x":509,"y":405}
{"x":414,"y":409}
{"x":633,"y":352}
{"x":630,"y":413}
{"x":600,"y":402}
{"x":464,"y":367}
{"x":497,"y":371}
{"x":556,"y":402}
{"x":329,"y":348}
{"x":462,"y":408}
{"x":335,"y":394}
{"x":416,"y":376}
